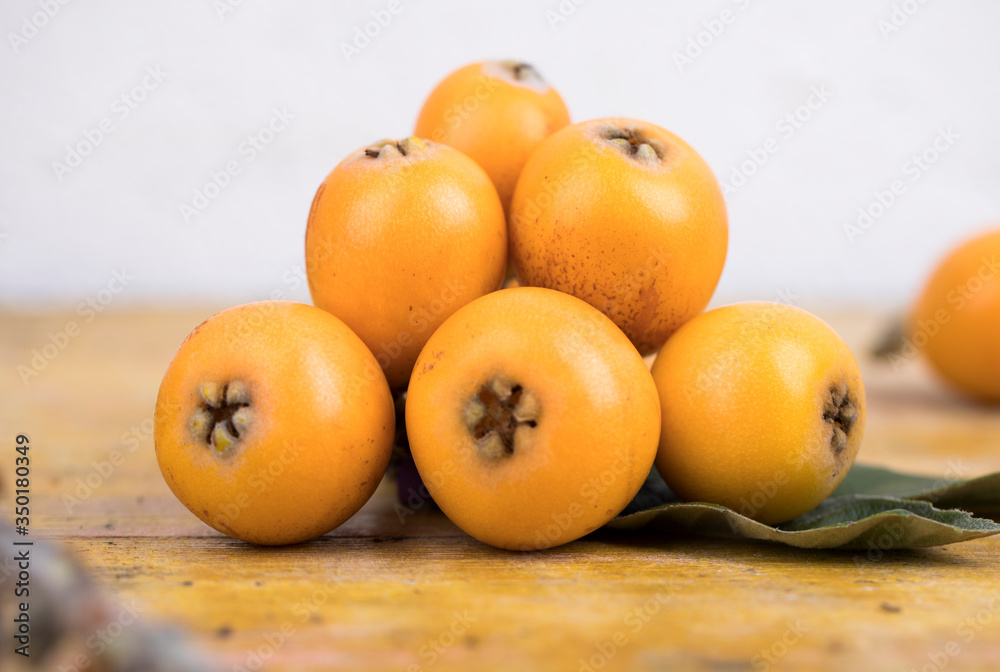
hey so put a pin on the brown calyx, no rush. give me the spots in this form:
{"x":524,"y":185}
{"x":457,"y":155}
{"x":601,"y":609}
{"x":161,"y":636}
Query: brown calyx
{"x":635,"y":143}
{"x":842,"y":412}
{"x":384,"y":149}
{"x":523,"y":71}
{"x":223,"y":417}
{"x":497,"y":414}
{"x":516,"y":72}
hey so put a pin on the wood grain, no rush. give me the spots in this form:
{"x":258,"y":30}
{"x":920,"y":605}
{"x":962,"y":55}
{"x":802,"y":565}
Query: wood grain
{"x":382,"y":593}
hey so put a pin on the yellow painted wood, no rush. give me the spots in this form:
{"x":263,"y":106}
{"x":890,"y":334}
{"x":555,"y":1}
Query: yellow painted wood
{"x":385,"y":594}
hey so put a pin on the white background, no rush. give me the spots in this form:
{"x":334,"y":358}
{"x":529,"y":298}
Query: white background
{"x":61,"y":241}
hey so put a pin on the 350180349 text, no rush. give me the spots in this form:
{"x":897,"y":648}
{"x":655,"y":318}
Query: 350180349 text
{"x":22,"y":548}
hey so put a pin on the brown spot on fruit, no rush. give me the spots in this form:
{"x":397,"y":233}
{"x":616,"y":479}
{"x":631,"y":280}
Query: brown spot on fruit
{"x":645,"y":320}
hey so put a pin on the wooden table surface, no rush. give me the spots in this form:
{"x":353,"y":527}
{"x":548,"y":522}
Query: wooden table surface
{"x":384,"y":594}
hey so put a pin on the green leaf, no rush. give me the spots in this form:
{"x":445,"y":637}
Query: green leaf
{"x":979,"y":495}
{"x":865,"y":480}
{"x":874,"y":509}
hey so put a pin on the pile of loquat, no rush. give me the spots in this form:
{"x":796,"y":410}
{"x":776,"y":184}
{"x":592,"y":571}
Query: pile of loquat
{"x":530,"y":413}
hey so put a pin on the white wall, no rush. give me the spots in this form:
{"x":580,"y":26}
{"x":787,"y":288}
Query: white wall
{"x":61,"y":241}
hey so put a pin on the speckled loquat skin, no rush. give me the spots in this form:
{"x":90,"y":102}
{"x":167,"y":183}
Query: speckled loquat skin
{"x":752,"y":397}
{"x":641,"y":237}
{"x":592,"y":401}
{"x":398,"y":242}
{"x":319,"y":428}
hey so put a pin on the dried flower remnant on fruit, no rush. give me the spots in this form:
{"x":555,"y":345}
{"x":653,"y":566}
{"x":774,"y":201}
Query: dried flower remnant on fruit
{"x":523,"y":71}
{"x":841,"y":412}
{"x":223,"y":417}
{"x":518,"y":73}
{"x":388,"y":149}
{"x":633,"y":141}
{"x":496,"y":413}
